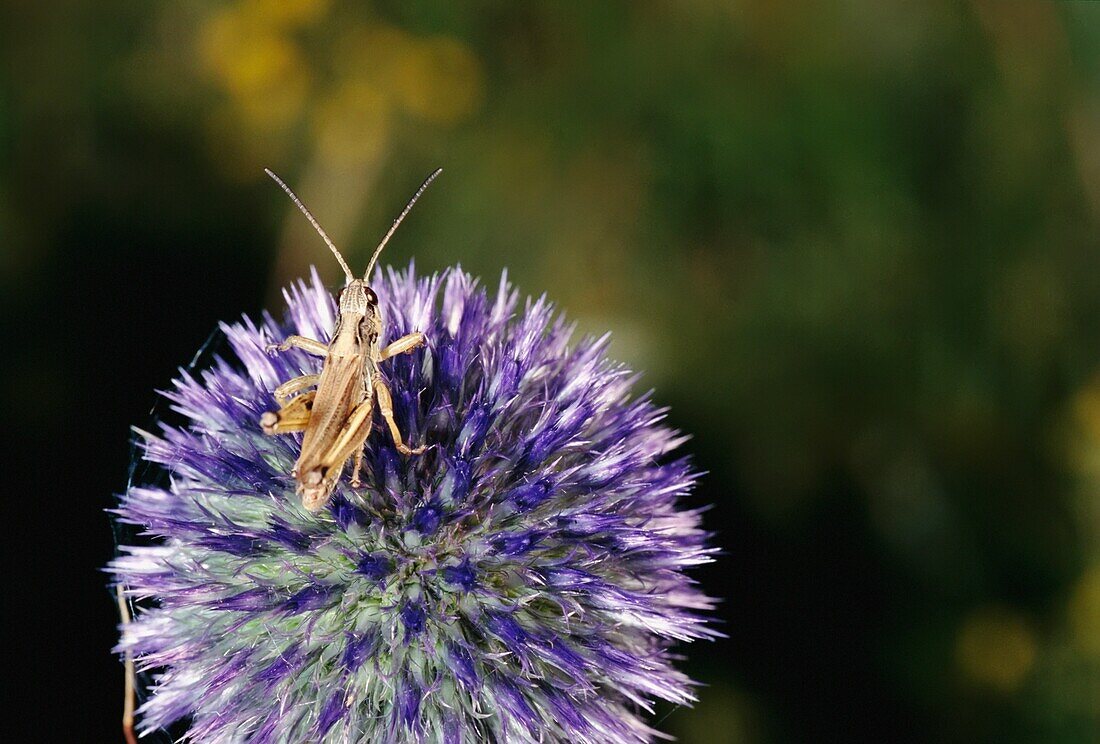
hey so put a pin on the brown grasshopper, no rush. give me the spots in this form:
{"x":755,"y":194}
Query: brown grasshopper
{"x":336,"y":417}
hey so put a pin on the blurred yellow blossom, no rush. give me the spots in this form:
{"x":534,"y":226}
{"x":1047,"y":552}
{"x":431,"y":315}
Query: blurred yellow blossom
{"x":1085,"y":445}
{"x":437,"y":79}
{"x":267,"y":85}
{"x":352,"y":124}
{"x":247,"y":58}
{"x":1084,"y":612}
{"x":286,"y":13}
{"x":441,"y":82}
{"x":347,"y":95}
{"x":371,"y":53}
{"x":995,"y":648}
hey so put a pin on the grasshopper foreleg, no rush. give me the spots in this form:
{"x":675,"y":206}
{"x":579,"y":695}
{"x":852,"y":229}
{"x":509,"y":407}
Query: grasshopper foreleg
{"x":403,"y":345}
{"x":288,"y":388}
{"x":385,"y":406}
{"x":307,"y":345}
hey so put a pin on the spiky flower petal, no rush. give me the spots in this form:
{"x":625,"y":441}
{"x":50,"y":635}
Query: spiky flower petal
{"x":522,"y":581}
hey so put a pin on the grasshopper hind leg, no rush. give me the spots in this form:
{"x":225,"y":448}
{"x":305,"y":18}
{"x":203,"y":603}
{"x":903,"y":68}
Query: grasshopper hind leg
{"x":315,"y":484}
{"x":385,"y":406}
{"x":294,"y":416}
{"x":357,"y":465}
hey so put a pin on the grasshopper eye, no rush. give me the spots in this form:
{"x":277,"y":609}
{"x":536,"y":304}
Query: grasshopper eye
{"x":372,"y":298}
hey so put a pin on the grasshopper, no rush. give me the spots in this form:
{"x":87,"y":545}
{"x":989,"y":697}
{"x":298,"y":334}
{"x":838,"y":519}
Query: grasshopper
{"x":336,"y":416}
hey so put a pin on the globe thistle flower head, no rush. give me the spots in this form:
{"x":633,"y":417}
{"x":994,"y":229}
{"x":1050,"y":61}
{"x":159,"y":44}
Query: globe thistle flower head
{"x":523,"y":580}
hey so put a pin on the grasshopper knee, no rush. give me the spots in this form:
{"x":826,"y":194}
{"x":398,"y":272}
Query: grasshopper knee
{"x":268,"y":422}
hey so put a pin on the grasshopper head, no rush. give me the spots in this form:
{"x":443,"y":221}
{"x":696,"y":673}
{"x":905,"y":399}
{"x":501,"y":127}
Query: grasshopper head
{"x":357,"y":298}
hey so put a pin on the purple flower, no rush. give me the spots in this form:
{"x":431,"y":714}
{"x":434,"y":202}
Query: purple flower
{"x":522,"y":580}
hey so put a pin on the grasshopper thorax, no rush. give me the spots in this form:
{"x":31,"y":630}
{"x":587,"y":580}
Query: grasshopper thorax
{"x":356,"y":298}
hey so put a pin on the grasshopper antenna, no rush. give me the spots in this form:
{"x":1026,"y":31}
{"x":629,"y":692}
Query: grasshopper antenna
{"x":316,"y":226}
{"x":393,"y":227}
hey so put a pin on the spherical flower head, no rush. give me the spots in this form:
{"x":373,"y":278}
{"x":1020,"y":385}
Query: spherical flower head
{"x":522,"y":580}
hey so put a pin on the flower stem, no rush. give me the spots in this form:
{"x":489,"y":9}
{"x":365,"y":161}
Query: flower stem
{"x":128,"y":690}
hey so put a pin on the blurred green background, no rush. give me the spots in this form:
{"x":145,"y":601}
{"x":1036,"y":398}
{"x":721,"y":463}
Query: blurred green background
{"x":854,"y":245}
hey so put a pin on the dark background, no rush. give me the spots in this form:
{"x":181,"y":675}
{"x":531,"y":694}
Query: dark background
{"x":853,"y":245}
